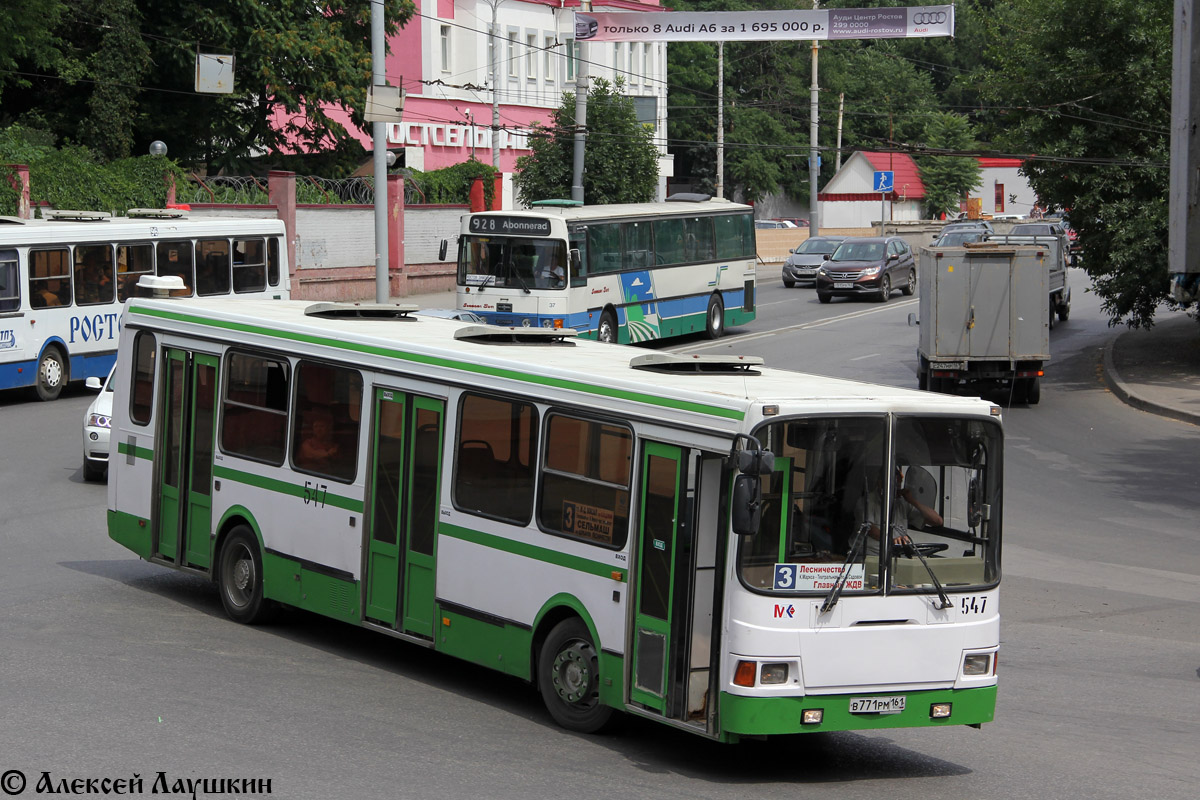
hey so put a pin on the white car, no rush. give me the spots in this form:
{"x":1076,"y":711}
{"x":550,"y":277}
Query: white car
{"x":96,"y":426}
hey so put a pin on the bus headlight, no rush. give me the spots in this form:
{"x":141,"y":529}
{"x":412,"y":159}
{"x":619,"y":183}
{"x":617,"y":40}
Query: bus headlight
{"x":940,"y":710}
{"x":812,"y":716}
{"x":977,"y":664}
{"x":773,"y":674}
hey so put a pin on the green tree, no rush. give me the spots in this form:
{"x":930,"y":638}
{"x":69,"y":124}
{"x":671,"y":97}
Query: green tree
{"x":1088,"y":106}
{"x":28,"y":38}
{"x":947,"y":178}
{"x":620,"y":162}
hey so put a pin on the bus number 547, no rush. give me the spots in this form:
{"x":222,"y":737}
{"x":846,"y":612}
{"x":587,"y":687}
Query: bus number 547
{"x":315,"y":493}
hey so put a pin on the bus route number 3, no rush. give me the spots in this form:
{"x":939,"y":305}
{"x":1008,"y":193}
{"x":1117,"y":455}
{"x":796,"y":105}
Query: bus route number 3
{"x":315,"y":493}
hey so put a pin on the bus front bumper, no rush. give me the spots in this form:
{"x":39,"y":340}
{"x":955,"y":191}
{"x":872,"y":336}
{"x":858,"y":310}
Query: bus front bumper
{"x":761,"y":716}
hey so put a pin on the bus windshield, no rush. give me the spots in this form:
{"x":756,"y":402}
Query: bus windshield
{"x":512,"y":262}
{"x":838,"y":498}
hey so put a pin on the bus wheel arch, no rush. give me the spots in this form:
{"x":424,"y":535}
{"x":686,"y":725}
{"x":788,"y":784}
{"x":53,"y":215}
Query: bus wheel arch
{"x":607,"y":329}
{"x":714,"y":317}
{"x":53,"y":372}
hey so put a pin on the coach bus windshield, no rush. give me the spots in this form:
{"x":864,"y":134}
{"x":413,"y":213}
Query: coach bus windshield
{"x":512,"y":263}
{"x":935,"y":497}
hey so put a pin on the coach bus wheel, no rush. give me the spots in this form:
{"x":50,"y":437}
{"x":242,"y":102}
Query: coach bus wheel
{"x":715,"y":324}
{"x":607,"y":332}
{"x":569,"y":678}
{"x":51,"y":375}
{"x":239,"y":578}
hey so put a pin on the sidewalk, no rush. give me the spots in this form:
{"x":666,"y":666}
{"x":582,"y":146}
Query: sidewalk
{"x":1158,"y":370}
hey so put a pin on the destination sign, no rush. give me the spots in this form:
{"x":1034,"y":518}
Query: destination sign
{"x":510,"y":226}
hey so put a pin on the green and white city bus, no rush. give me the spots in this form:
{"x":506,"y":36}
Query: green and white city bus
{"x":689,"y":539}
{"x":618,"y":273}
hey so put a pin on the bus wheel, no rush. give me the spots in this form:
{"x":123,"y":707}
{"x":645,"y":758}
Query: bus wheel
{"x":715,"y":323}
{"x":239,"y":578}
{"x":607,"y":332}
{"x":569,"y":678}
{"x":51,"y":375}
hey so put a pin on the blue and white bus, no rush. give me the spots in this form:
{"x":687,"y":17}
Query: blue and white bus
{"x":617,"y":273}
{"x":63,"y":280}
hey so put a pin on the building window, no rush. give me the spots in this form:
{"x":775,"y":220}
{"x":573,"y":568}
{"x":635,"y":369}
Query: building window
{"x":572,"y":54}
{"x":617,"y":60}
{"x":999,"y":198}
{"x":531,"y":56}
{"x":445,"y":48}
{"x":514,"y":67}
{"x":548,"y":59}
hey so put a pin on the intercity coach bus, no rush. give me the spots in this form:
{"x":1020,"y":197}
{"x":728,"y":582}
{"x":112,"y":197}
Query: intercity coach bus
{"x":618,"y":273}
{"x":690,"y":539}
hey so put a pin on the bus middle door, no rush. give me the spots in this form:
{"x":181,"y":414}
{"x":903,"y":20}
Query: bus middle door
{"x":184,"y":526}
{"x":662,"y":544}
{"x":405,"y":480}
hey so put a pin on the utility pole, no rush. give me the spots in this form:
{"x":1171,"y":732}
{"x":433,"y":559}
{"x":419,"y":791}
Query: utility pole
{"x":841,"y":108}
{"x":495,"y":87}
{"x":379,"y":147}
{"x":720,"y":119}
{"x":581,"y":90}
{"x":814,"y":156}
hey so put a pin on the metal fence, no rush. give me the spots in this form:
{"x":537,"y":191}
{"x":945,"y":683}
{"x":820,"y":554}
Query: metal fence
{"x":233,"y":189}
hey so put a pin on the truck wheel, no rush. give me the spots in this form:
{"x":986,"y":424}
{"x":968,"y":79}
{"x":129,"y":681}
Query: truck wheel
{"x":1064,"y":311}
{"x":1051,"y":316}
{"x":1033,"y":391}
{"x":910,"y":286}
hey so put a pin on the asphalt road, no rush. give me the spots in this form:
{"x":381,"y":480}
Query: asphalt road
{"x":111,"y":667}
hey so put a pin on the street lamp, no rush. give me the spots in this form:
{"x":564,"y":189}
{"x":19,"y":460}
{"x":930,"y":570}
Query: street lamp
{"x":158,"y":148}
{"x":391,"y":159}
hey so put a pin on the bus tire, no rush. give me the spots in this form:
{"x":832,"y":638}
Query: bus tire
{"x":240,"y":578}
{"x":51,"y":374}
{"x":569,"y":678}
{"x":714,"y":322}
{"x":607,"y":330}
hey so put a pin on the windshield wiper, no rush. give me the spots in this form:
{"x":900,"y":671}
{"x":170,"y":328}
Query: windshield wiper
{"x":514,"y":272}
{"x":911,"y":549}
{"x":835,"y":592}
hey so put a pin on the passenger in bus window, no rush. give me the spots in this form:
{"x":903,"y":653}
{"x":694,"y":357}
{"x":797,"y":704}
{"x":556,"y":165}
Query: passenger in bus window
{"x":93,"y":278}
{"x":50,"y":293}
{"x":318,"y":447}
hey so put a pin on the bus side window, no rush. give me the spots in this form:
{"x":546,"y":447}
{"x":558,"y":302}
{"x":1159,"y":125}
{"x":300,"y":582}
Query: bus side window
{"x":668,"y":241}
{"x":175,"y":258}
{"x":93,"y":274}
{"x":273,"y":261}
{"x":49,"y":278}
{"x":10,"y":288}
{"x":254,"y":411}
{"x":249,"y":266}
{"x":141,"y":398}
{"x":586,"y":470}
{"x":133,"y":261}
{"x":212,"y":266}
{"x":493,"y":468}
{"x":325,"y":427}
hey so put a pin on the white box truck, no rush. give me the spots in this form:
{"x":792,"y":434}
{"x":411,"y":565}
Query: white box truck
{"x":985,"y":312}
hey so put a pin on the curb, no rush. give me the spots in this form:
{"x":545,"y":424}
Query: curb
{"x":1112,"y":379}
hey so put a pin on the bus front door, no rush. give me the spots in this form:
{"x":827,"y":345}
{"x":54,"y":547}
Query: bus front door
{"x":659,"y":539}
{"x":184,"y":528}
{"x":405,"y":478}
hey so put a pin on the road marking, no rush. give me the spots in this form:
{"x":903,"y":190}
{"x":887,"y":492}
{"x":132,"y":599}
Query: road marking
{"x":791,"y":328}
{"x":860,"y":358}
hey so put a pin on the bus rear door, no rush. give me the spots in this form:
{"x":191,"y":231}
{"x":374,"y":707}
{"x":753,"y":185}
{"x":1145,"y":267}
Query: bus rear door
{"x":185,"y":461}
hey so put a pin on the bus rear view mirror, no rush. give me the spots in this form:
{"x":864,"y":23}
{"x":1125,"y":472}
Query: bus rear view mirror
{"x":442,"y":250}
{"x":747,"y":505}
